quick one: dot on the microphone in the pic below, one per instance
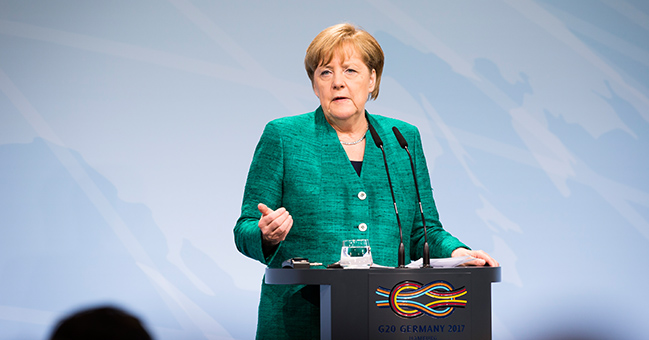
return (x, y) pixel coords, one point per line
(402, 248)
(404, 145)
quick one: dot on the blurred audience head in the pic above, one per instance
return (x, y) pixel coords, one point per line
(100, 323)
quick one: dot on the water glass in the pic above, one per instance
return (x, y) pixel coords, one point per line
(356, 254)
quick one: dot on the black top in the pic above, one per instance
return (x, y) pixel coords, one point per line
(357, 166)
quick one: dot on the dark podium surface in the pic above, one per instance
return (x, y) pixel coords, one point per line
(399, 303)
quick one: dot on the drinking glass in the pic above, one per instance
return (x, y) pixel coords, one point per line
(356, 254)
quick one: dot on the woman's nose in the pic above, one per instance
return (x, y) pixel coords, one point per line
(338, 81)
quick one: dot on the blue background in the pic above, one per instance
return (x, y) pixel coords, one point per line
(127, 129)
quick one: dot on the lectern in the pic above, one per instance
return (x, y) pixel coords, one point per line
(398, 303)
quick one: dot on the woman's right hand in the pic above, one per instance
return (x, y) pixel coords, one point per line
(274, 225)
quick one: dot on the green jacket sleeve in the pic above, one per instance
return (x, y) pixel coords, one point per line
(264, 185)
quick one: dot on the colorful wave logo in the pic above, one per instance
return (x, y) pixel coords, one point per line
(405, 299)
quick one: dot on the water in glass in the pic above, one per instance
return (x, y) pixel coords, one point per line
(356, 254)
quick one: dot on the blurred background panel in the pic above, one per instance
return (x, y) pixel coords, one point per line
(127, 129)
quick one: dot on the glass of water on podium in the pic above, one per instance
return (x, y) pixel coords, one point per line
(356, 254)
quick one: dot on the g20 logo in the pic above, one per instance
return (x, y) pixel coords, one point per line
(411, 299)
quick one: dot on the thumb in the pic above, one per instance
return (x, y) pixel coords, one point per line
(263, 209)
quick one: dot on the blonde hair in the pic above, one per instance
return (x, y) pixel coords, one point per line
(332, 40)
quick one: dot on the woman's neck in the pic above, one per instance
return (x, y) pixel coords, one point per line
(350, 130)
(352, 137)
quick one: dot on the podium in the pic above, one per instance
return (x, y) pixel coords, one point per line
(399, 303)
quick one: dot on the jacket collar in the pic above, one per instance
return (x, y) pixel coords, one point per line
(333, 154)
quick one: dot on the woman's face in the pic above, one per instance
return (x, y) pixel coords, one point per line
(343, 85)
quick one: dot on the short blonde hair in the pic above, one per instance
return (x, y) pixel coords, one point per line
(332, 40)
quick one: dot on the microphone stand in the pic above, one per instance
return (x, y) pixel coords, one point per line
(404, 145)
(402, 248)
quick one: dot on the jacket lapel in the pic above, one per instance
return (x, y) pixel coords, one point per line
(333, 156)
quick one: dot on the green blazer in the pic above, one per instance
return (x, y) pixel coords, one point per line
(300, 164)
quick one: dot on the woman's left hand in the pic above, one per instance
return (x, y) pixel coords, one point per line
(480, 257)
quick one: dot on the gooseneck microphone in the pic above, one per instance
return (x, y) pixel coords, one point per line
(404, 145)
(402, 248)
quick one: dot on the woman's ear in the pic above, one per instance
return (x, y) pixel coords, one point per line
(372, 80)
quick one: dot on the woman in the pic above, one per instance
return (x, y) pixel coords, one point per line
(318, 179)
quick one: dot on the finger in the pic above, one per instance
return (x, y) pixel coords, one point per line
(480, 257)
(479, 262)
(475, 262)
(279, 234)
(275, 218)
(279, 217)
(269, 223)
(492, 262)
(266, 220)
(263, 209)
(473, 254)
(485, 259)
(286, 226)
(273, 215)
(282, 231)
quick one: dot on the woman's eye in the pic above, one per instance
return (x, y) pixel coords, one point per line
(350, 70)
(325, 73)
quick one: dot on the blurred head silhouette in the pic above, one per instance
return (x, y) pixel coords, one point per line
(100, 323)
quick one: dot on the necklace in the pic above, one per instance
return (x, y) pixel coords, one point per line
(357, 141)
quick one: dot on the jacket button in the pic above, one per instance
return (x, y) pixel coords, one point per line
(362, 195)
(362, 227)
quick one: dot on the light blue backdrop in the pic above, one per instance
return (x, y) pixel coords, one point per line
(127, 129)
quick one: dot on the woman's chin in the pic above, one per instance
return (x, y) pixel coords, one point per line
(343, 113)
